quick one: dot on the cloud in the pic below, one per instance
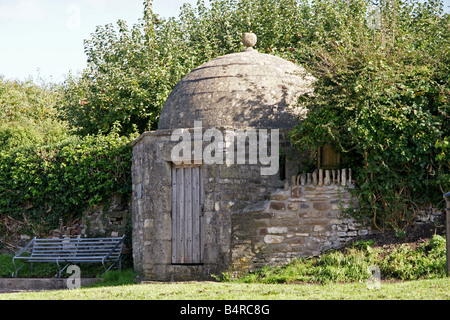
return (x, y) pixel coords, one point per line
(22, 10)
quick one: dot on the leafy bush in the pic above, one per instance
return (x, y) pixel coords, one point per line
(28, 114)
(46, 172)
(18, 134)
(43, 184)
(27, 100)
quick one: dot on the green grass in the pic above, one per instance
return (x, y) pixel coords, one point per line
(44, 270)
(411, 290)
(334, 275)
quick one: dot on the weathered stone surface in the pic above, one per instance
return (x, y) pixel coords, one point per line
(274, 205)
(303, 179)
(279, 195)
(296, 192)
(321, 206)
(273, 239)
(241, 90)
(319, 228)
(248, 219)
(277, 230)
(327, 179)
(315, 178)
(363, 232)
(229, 172)
(249, 39)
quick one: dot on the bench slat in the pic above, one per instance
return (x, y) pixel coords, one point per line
(74, 243)
(70, 255)
(71, 251)
(57, 249)
(79, 239)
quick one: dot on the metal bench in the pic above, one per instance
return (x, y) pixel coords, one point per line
(72, 251)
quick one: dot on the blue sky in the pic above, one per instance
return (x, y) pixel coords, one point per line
(44, 38)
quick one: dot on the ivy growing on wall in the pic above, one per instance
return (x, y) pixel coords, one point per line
(382, 99)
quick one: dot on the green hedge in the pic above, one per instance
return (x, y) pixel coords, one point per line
(44, 183)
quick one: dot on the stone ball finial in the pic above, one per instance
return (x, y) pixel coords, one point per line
(249, 39)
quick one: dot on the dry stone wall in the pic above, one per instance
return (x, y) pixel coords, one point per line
(102, 220)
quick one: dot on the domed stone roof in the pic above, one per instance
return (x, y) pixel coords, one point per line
(239, 90)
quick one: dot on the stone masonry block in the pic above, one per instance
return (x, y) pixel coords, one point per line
(296, 192)
(321, 206)
(280, 206)
(281, 195)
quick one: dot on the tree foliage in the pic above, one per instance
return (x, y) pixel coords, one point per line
(28, 114)
(26, 100)
(131, 71)
(382, 98)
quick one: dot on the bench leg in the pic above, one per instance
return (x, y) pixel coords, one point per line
(112, 265)
(59, 267)
(65, 267)
(16, 269)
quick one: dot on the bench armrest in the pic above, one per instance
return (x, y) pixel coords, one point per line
(113, 249)
(24, 248)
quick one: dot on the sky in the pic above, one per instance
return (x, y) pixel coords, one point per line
(43, 39)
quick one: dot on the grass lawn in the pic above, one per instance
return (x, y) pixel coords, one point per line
(411, 290)
(338, 275)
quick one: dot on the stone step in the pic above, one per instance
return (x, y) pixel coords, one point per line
(38, 284)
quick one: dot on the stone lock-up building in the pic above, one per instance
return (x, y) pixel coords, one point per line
(198, 208)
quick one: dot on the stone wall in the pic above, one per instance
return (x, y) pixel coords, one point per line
(103, 220)
(109, 222)
(303, 219)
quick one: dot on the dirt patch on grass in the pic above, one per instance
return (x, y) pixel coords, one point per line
(414, 236)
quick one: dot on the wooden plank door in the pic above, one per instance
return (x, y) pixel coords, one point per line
(187, 239)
